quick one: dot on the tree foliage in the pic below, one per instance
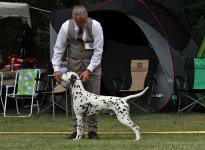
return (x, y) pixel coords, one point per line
(195, 12)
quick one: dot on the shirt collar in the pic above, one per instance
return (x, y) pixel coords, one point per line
(76, 28)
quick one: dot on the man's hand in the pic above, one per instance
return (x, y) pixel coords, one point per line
(85, 75)
(57, 75)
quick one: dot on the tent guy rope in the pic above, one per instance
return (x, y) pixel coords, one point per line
(39, 9)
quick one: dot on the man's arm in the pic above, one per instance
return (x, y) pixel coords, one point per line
(97, 46)
(60, 47)
(59, 50)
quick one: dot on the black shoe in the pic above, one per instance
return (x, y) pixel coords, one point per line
(73, 136)
(92, 135)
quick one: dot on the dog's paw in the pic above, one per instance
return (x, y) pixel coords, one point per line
(138, 137)
(76, 139)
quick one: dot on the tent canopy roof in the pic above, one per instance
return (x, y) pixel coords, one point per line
(21, 10)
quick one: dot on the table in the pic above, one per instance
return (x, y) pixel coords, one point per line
(8, 77)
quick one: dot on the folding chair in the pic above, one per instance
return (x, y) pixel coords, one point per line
(52, 92)
(1, 85)
(192, 84)
(25, 87)
(139, 70)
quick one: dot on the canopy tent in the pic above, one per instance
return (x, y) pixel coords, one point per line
(21, 10)
(137, 29)
(10, 13)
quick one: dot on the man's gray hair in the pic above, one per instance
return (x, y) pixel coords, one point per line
(79, 10)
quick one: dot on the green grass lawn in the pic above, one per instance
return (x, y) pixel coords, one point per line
(107, 124)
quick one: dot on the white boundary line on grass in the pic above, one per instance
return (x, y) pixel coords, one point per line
(101, 133)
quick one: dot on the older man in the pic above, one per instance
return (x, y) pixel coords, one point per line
(83, 39)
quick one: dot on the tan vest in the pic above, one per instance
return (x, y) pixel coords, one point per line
(78, 57)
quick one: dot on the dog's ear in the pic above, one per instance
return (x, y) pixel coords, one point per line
(73, 79)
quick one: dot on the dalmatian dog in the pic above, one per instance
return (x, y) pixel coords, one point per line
(86, 103)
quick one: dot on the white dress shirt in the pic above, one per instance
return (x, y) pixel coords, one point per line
(62, 41)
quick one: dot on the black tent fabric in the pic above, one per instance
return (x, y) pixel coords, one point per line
(137, 29)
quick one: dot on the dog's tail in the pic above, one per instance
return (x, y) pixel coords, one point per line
(136, 95)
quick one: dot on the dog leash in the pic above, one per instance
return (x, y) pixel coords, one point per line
(59, 82)
(62, 85)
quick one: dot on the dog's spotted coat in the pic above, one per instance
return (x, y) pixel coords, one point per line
(86, 103)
